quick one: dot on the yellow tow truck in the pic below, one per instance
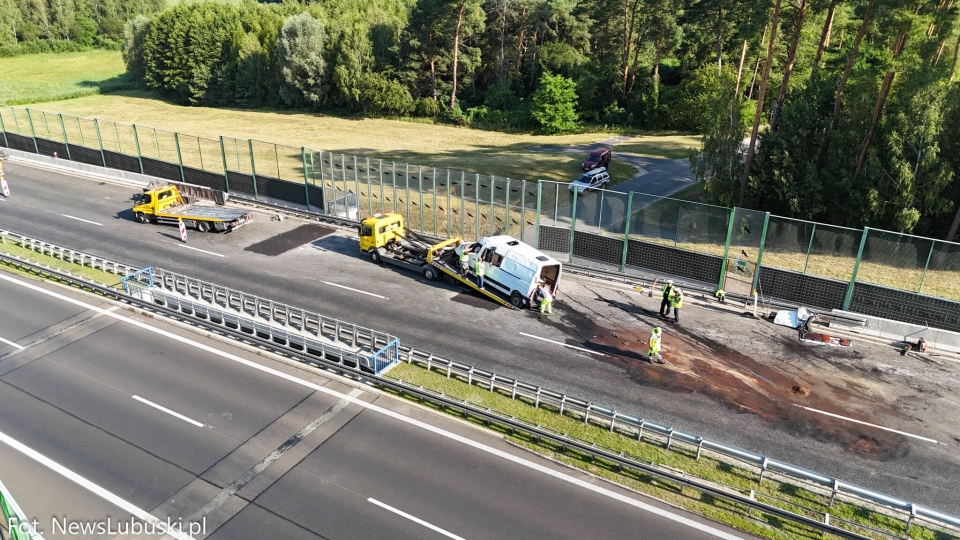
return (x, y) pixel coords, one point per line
(385, 240)
(166, 205)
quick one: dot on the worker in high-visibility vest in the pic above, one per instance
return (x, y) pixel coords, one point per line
(677, 301)
(654, 350)
(464, 262)
(479, 270)
(546, 300)
(667, 294)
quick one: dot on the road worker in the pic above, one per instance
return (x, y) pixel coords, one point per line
(480, 271)
(677, 301)
(665, 303)
(721, 296)
(546, 300)
(654, 350)
(464, 262)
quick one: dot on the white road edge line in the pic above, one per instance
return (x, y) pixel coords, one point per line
(517, 460)
(96, 489)
(83, 220)
(355, 290)
(855, 421)
(168, 411)
(201, 250)
(562, 344)
(8, 342)
(415, 519)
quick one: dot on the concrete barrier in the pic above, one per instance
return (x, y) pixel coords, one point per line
(937, 339)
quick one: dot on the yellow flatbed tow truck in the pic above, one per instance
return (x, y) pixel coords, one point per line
(385, 240)
(166, 205)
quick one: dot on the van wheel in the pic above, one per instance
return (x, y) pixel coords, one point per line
(430, 273)
(141, 217)
(516, 300)
(203, 226)
(375, 256)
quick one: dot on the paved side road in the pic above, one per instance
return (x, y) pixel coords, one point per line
(435, 317)
(111, 415)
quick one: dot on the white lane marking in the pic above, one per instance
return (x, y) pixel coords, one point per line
(83, 220)
(563, 344)
(415, 519)
(201, 250)
(96, 489)
(855, 421)
(8, 342)
(355, 290)
(599, 490)
(168, 411)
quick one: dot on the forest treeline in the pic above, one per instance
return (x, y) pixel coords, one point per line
(844, 111)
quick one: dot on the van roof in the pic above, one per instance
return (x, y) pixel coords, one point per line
(526, 250)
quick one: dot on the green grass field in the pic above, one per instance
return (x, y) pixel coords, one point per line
(666, 145)
(36, 78)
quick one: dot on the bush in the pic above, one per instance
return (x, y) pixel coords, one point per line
(299, 53)
(41, 46)
(381, 96)
(554, 104)
(426, 107)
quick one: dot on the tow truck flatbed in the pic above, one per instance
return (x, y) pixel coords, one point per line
(166, 205)
(444, 264)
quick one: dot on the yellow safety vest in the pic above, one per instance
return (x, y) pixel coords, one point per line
(464, 257)
(678, 301)
(479, 267)
(667, 291)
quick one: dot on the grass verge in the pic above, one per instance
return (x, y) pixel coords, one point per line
(86, 272)
(36, 78)
(807, 500)
(664, 145)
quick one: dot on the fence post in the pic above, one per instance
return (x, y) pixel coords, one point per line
(626, 232)
(116, 133)
(449, 211)
(923, 276)
(393, 181)
(253, 168)
(306, 190)
(96, 126)
(176, 142)
(3, 128)
(523, 206)
(763, 239)
(223, 155)
(66, 143)
(356, 181)
(856, 267)
(809, 247)
(463, 204)
(676, 228)
(573, 223)
(406, 182)
(726, 248)
(435, 205)
(33, 134)
(136, 141)
(383, 202)
(369, 190)
(536, 231)
(493, 183)
(477, 199)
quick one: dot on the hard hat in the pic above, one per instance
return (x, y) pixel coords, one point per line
(669, 282)
(656, 329)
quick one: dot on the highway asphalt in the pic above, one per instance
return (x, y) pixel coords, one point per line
(157, 420)
(432, 316)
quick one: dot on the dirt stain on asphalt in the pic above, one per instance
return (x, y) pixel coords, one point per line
(699, 364)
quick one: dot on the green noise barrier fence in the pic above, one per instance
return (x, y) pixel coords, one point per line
(874, 272)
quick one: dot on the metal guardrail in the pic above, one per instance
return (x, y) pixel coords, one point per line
(325, 355)
(341, 366)
(18, 526)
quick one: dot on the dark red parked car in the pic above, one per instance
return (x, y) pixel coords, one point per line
(598, 158)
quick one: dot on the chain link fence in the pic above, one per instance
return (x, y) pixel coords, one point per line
(610, 226)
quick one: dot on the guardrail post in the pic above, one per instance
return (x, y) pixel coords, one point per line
(253, 168)
(96, 126)
(573, 223)
(223, 156)
(626, 232)
(33, 133)
(763, 469)
(536, 232)
(306, 189)
(763, 239)
(923, 276)
(856, 268)
(66, 143)
(136, 140)
(176, 141)
(726, 248)
(913, 514)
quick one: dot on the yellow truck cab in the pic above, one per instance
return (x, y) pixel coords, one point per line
(385, 240)
(166, 205)
(379, 230)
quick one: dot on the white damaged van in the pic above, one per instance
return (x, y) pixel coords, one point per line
(513, 268)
